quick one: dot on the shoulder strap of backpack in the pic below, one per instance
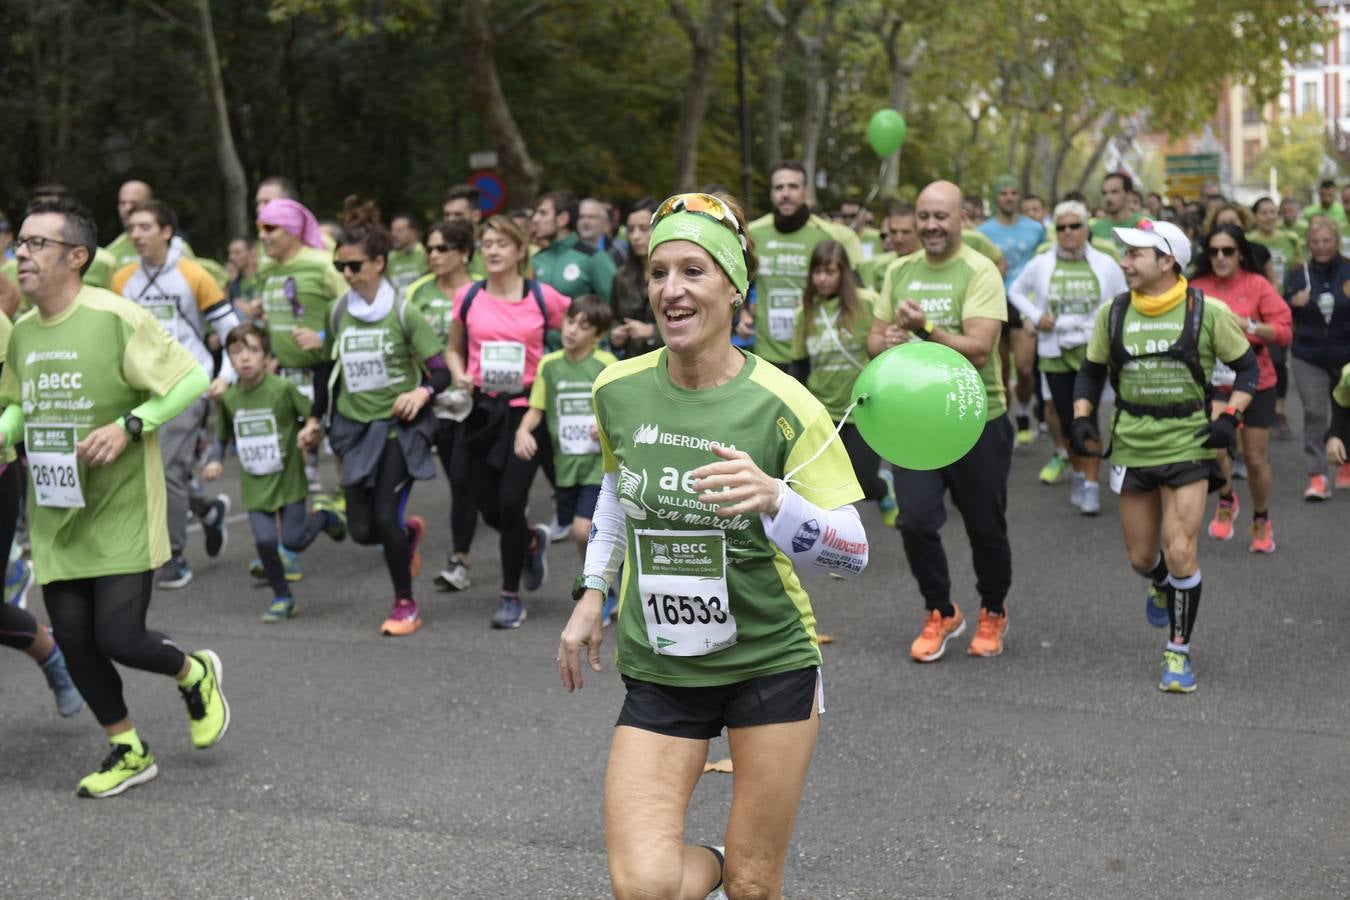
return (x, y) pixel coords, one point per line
(538, 293)
(473, 291)
(1116, 331)
(335, 317)
(1189, 341)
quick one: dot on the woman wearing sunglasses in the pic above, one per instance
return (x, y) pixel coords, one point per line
(1059, 293)
(1228, 271)
(722, 474)
(389, 366)
(496, 341)
(449, 249)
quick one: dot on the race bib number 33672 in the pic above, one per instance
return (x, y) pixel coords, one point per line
(52, 464)
(682, 576)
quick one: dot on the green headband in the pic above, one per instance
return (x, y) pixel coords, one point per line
(722, 244)
(1003, 181)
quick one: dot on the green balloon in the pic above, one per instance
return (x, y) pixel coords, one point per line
(921, 405)
(886, 132)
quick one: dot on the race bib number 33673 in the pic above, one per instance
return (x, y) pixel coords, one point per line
(52, 464)
(682, 576)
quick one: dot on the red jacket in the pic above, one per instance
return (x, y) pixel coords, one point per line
(1251, 295)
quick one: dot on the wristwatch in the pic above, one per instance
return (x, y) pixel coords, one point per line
(926, 331)
(1252, 325)
(584, 583)
(133, 425)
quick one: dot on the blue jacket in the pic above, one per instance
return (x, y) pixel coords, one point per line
(1316, 340)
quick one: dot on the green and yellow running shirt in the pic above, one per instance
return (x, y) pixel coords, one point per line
(79, 371)
(7, 454)
(837, 353)
(784, 266)
(406, 266)
(1283, 247)
(296, 294)
(1143, 440)
(562, 390)
(1105, 228)
(1073, 291)
(752, 616)
(435, 307)
(874, 270)
(965, 286)
(263, 423)
(377, 361)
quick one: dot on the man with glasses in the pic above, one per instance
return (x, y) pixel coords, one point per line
(593, 225)
(952, 295)
(88, 382)
(186, 300)
(1159, 344)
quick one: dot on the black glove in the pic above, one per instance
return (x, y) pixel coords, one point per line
(1081, 430)
(1220, 433)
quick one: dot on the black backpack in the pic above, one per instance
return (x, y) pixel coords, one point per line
(1185, 349)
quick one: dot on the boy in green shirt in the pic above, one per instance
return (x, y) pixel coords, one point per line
(261, 413)
(561, 397)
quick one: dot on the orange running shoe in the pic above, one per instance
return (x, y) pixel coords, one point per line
(403, 620)
(1221, 527)
(937, 631)
(988, 639)
(1343, 476)
(416, 526)
(1263, 537)
(1317, 488)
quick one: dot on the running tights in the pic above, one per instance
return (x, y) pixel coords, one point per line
(99, 621)
(866, 462)
(298, 531)
(17, 628)
(502, 495)
(463, 510)
(375, 516)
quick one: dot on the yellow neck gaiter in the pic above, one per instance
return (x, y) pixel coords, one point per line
(1149, 305)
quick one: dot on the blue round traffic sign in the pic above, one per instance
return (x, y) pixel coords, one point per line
(491, 191)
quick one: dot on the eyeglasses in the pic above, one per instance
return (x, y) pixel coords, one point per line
(350, 265)
(438, 248)
(700, 204)
(37, 244)
(1068, 226)
(1223, 251)
(264, 228)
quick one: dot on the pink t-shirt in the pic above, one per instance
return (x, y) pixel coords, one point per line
(504, 324)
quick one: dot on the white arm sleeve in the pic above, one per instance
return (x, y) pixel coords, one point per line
(609, 534)
(1017, 292)
(831, 539)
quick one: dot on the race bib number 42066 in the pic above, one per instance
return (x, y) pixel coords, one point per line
(682, 576)
(52, 464)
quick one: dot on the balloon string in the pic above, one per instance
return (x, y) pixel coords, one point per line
(789, 477)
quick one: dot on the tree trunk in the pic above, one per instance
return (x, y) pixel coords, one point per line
(786, 23)
(519, 170)
(1108, 127)
(65, 114)
(817, 93)
(227, 155)
(704, 38)
(900, 69)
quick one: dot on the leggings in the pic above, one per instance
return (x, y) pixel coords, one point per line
(99, 621)
(17, 628)
(375, 516)
(866, 462)
(463, 510)
(502, 495)
(298, 531)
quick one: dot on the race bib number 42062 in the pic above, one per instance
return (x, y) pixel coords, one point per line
(682, 576)
(52, 464)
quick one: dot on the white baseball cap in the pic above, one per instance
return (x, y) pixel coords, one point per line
(1162, 236)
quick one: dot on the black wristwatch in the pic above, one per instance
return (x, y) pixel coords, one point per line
(584, 583)
(133, 424)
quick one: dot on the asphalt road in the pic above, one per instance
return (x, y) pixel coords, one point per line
(451, 764)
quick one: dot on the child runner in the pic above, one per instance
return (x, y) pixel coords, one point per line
(261, 413)
(561, 397)
(831, 332)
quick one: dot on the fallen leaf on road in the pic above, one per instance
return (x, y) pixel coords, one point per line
(825, 638)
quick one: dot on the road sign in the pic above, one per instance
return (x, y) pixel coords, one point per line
(491, 192)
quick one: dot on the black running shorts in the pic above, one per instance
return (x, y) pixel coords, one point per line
(701, 713)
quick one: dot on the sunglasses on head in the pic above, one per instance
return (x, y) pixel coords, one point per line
(350, 265)
(1068, 226)
(703, 205)
(1223, 251)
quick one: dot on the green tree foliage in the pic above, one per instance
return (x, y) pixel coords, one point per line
(1297, 151)
(371, 96)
